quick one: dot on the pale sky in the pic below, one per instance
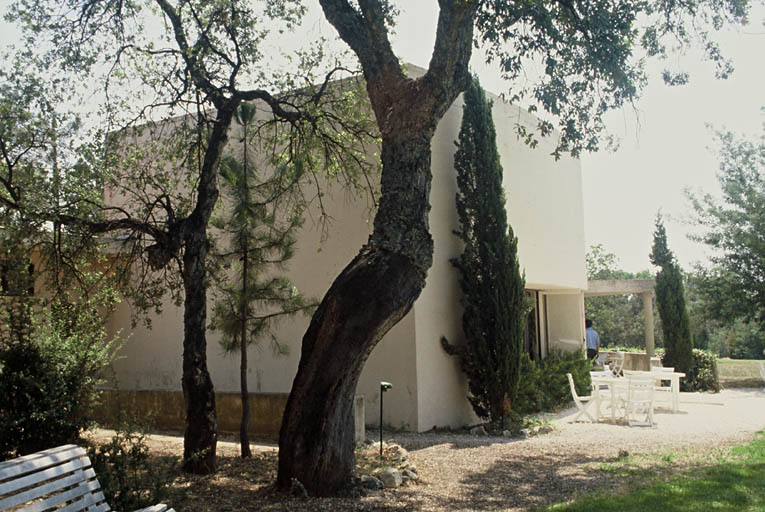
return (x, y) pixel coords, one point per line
(664, 145)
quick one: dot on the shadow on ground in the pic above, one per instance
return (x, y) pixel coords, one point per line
(526, 482)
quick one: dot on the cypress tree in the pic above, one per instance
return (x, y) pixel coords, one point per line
(670, 300)
(489, 274)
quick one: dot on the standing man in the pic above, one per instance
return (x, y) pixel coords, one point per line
(593, 340)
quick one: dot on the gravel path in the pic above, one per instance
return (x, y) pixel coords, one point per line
(460, 472)
(468, 473)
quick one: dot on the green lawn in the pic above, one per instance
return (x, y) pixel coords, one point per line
(739, 373)
(735, 483)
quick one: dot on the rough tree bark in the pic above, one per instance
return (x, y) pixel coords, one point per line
(380, 285)
(201, 433)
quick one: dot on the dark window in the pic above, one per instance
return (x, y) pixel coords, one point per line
(17, 277)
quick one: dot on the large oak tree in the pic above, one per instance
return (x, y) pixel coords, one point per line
(585, 53)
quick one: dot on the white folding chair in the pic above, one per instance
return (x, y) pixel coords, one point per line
(659, 387)
(616, 363)
(640, 400)
(582, 402)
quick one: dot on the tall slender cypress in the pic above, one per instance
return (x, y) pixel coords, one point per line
(670, 300)
(489, 274)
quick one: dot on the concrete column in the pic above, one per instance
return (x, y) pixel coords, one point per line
(648, 322)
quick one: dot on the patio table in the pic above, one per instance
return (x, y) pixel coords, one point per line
(614, 385)
(617, 384)
(674, 380)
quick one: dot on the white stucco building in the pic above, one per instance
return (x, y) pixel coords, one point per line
(545, 209)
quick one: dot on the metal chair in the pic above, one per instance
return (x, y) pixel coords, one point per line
(582, 402)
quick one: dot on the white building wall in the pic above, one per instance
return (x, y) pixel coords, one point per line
(545, 205)
(442, 385)
(545, 211)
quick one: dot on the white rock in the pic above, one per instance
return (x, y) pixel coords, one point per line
(409, 475)
(390, 478)
(478, 431)
(398, 453)
(370, 482)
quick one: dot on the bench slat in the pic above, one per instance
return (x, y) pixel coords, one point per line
(42, 476)
(49, 488)
(89, 502)
(39, 460)
(156, 508)
(82, 489)
(36, 455)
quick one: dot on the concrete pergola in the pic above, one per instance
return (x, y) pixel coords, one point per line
(645, 287)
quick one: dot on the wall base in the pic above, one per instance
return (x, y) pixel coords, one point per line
(165, 410)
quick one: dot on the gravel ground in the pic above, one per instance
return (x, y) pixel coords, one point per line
(461, 472)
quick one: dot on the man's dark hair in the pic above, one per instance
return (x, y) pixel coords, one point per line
(587, 323)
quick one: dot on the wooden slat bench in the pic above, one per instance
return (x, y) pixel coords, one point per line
(59, 479)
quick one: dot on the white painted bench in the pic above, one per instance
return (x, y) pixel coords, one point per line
(59, 479)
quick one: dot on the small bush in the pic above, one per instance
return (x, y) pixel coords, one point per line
(703, 375)
(36, 411)
(130, 479)
(49, 378)
(544, 385)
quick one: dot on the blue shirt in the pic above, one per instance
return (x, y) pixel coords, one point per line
(593, 340)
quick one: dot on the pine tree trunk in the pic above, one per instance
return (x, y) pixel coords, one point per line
(368, 298)
(200, 437)
(244, 438)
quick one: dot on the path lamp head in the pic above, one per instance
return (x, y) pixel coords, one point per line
(385, 386)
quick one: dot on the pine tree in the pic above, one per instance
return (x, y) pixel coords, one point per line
(490, 278)
(670, 300)
(260, 224)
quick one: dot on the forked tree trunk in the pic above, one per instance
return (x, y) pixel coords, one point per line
(200, 437)
(368, 298)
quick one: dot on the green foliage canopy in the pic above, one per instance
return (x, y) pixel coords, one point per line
(734, 227)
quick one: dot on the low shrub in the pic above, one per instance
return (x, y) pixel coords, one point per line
(36, 411)
(703, 375)
(130, 478)
(544, 385)
(49, 377)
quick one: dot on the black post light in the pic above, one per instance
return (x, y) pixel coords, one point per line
(384, 386)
